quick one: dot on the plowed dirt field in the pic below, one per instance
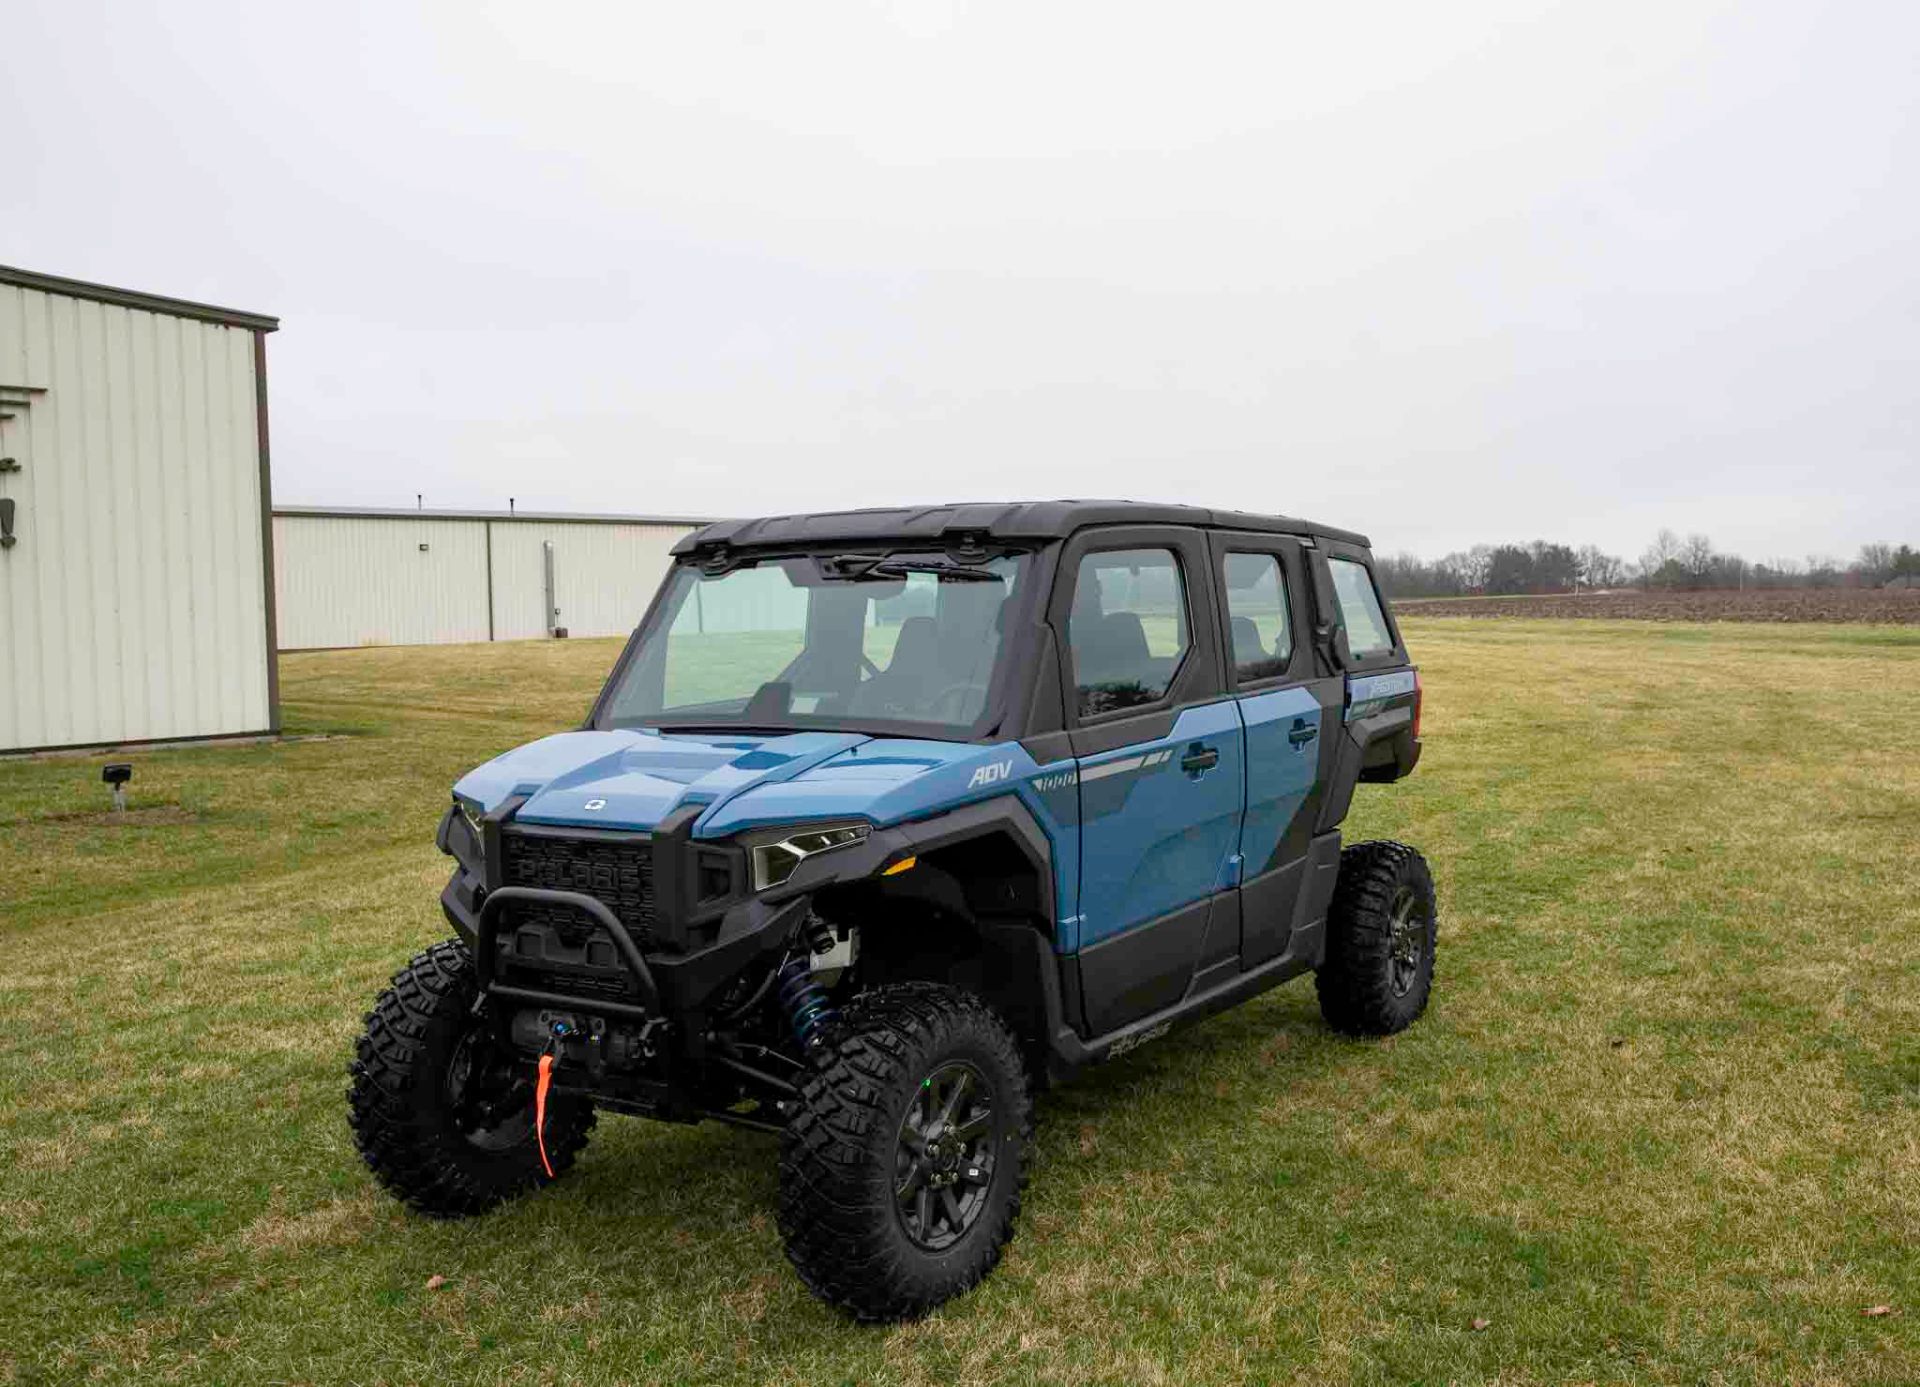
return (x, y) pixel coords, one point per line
(1897, 606)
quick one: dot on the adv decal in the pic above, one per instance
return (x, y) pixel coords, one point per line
(990, 774)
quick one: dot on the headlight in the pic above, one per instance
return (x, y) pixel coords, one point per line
(774, 862)
(472, 813)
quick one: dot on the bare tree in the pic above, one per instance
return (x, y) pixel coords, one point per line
(1664, 550)
(1660, 564)
(1470, 566)
(1696, 557)
(1408, 575)
(1876, 562)
(1599, 569)
(1589, 555)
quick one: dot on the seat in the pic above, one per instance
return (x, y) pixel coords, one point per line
(1111, 650)
(914, 665)
(770, 703)
(1247, 649)
(916, 653)
(969, 637)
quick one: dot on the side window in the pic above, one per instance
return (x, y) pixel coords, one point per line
(1257, 621)
(1360, 613)
(1128, 630)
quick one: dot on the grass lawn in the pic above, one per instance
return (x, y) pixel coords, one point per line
(1661, 1124)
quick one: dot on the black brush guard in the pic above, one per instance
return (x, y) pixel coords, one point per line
(487, 932)
(657, 1097)
(698, 943)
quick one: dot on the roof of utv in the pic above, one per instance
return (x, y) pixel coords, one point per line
(1028, 520)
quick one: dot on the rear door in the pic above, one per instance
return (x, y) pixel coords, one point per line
(1161, 767)
(1381, 690)
(1291, 709)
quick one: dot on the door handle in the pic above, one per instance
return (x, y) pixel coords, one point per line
(7, 536)
(1302, 732)
(1200, 759)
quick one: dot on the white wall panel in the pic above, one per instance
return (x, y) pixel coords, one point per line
(363, 579)
(133, 603)
(353, 580)
(603, 575)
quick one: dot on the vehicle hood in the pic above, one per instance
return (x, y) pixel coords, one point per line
(634, 779)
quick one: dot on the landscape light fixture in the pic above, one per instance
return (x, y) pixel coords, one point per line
(117, 774)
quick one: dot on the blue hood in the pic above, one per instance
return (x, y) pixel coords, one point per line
(634, 779)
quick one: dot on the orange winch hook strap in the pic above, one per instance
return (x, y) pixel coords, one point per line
(540, 1111)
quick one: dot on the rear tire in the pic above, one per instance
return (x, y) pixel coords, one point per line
(443, 1120)
(900, 1175)
(1381, 928)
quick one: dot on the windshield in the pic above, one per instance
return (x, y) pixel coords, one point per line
(822, 640)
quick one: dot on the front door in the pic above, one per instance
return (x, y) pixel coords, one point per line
(1291, 716)
(1161, 767)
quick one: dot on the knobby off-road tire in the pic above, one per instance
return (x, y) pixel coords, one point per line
(442, 1122)
(1378, 971)
(871, 1176)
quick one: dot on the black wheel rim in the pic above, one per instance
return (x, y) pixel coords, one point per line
(1406, 942)
(944, 1166)
(492, 1109)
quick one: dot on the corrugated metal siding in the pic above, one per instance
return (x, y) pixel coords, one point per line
(134, 603)
(603, 575)
(343, 580)
(364, 580)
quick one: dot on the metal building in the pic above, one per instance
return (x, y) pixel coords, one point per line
(135, 539)
(423, 577)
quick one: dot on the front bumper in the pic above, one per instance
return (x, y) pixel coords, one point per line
(697, 946)
(665, 983)
(486, 953)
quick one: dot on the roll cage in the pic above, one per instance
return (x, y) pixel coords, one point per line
(1028, 700)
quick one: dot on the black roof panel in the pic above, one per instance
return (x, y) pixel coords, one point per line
(1034, 520)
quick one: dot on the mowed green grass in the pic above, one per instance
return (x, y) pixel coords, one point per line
(1661, 1123)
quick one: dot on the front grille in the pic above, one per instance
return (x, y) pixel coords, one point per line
(617, 872)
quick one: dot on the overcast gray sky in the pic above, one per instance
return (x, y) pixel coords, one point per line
(1444, 273)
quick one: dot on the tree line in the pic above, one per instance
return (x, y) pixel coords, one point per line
(1669, 563)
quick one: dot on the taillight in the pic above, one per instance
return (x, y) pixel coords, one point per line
(1419, 698)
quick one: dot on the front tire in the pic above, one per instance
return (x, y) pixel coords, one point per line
(442, 1118)
(1378, 971)
(900, 1175)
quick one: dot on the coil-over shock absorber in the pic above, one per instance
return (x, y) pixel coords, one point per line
(804, 999)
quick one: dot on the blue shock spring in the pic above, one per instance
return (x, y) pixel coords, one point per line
(805, 1000)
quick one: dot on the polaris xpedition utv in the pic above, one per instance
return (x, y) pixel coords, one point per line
(886, 817)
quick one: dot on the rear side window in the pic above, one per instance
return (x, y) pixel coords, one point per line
(1128, 630)
(1257, 622)
(1360, 613)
